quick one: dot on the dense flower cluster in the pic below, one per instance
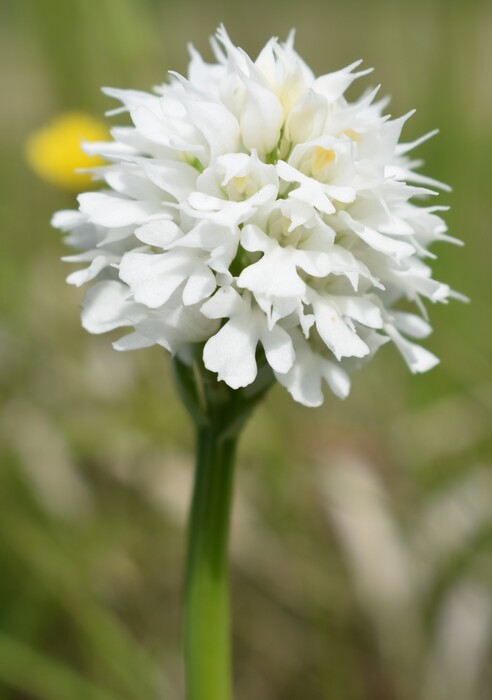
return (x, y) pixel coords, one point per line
(253, 210)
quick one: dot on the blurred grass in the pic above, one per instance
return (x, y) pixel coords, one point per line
(96, 451)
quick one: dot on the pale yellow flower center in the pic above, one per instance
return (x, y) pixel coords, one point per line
(240, 183)
(322, 157)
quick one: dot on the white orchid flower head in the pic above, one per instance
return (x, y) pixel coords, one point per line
(253, 212)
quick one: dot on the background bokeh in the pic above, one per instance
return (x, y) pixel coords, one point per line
(361, 547)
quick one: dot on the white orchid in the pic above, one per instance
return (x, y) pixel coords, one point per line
(252, 206)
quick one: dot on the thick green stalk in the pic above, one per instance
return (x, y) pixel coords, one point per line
(219, 413)
(207, 634)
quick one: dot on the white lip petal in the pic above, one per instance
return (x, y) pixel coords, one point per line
(254, 239)
(226, 302)
(67, 219)
(132, 341)
(106, 306)
(154, 278)
(337, 379)
(231, 354)
(159, 232)
(81, 277)
(418, 359)
(275, 275)
(342, 340)
(199, 286)
(278, 348)
(111, 211)
(411, 324)
(360, 309)
(304, 379)
(303, 382)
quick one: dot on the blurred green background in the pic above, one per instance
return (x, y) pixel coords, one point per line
(361, 547)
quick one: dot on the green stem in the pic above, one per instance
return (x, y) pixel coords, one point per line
(207, 643)
(219, 414)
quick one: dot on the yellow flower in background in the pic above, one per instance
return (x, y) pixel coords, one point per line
(54, 152)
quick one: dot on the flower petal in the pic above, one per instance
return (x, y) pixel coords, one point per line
(417, 358)
(278, 347)
(153, 278)
(113, 211)
(231, 353)
(342, 340)
(106, 306)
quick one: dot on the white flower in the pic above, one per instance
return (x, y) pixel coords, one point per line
(252, 210)
(232, 351)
